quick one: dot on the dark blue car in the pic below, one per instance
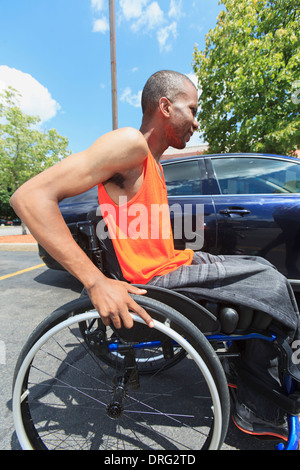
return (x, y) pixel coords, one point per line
(245, 204)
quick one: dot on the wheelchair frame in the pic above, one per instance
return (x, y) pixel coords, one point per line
(195, 316)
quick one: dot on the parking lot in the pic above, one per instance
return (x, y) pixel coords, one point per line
(26, 298)
(29, 292)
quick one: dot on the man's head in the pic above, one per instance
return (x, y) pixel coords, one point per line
(165, 83)
(170, 102)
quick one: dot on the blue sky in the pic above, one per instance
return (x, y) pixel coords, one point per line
(57, 54)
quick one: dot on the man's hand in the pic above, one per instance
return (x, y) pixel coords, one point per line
(112, 300)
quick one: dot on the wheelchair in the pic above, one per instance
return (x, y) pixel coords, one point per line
(79, 385)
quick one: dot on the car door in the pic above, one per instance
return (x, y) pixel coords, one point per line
(257, 203)
(191, 209)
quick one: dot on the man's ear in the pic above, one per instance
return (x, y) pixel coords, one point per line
(164, 106)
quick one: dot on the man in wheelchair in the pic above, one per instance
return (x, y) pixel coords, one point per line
(125, 166)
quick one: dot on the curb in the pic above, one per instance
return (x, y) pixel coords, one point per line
(19, 247)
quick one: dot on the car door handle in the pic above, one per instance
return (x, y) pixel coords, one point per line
(235, 211)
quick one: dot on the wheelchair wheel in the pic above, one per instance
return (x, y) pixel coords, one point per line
(65, 397)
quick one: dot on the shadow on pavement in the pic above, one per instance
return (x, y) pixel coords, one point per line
(61, 279)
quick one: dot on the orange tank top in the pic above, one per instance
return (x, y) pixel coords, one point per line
(140, 229)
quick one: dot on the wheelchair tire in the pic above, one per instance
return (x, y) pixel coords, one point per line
(64, 397)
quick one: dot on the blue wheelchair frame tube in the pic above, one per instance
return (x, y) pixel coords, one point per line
(293, 421)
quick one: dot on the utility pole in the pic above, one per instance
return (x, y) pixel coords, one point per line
(113, 54)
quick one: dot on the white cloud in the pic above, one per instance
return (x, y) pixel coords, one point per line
(101, 25)
(152, 17)
(193, 77)
(164, 34)
(97, 5)
(35, 99)
(133, 99)
(132, 9)
(175, 10)
(147, 16)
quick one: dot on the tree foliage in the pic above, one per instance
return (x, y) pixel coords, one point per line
(249, 78)
(25, 150)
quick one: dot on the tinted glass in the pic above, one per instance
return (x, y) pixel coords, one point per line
(182, 178)
(256, 175)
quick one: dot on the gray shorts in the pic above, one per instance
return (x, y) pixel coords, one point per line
(242, 280)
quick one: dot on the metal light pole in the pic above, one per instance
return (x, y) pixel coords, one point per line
(113, 54)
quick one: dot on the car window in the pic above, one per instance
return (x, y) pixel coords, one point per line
(243, 175)
(182, 178)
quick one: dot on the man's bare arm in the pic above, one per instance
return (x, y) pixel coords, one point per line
(36, 203)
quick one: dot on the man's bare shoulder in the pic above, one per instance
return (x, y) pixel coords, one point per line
(123, 148)
(131, 135)
(123, 140)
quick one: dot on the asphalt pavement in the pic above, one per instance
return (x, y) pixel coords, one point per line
(29, 292)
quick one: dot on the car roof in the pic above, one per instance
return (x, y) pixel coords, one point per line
(242, 155)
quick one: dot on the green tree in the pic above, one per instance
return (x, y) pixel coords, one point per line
(248, 75)
(25, 150)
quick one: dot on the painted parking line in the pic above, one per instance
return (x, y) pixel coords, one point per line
(17, 273)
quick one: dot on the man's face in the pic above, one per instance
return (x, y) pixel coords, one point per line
(182, 122)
